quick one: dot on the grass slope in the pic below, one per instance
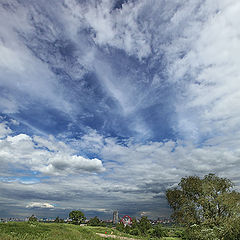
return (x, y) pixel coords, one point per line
(42, 231)
(52, 231)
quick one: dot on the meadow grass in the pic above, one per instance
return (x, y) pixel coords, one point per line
(45, 231)
(53, 231)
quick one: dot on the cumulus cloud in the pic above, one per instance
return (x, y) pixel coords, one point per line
(65, 164)
(137, 174)
(145, 167)
(47, 156)
(40, 205)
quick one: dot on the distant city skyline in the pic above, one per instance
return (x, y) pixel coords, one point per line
(105, 104)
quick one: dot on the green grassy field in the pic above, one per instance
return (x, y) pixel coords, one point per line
(52, 231)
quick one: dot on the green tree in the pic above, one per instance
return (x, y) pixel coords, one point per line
(144, 225)
(205, 205)
(120, 227)
(94, 221)
(158, 231)
(77, 217)
(33, 219)
(58, 220)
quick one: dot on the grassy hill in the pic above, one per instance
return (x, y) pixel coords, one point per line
(52, 231)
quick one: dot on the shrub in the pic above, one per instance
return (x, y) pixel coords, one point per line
(158, 231)
(120, 227)
(33, 219)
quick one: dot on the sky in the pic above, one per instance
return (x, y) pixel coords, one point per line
(105, 104)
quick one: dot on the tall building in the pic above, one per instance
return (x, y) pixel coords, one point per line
(115, 217)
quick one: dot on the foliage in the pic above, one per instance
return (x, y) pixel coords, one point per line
(77, 217)
(58, 220)
(120, 227)
(159, 232)
(208, 207)
(144, 225)
(33, 219)
(140, 227)
(96, 222)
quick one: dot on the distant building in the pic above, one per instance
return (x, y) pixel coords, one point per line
(115, 217)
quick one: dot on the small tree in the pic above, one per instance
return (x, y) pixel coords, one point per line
(77, 217)
(33, 219)
(144, 225)
(120, 227)
(158, 231)
(94, 221)
(58, 220)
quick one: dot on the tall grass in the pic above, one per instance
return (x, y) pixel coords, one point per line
(53, 231)
(42, 231)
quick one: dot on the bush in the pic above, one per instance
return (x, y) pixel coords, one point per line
(144, 225)
(135, 231)
(228, 230)
(120, 227)
(158, 231)
(58, 220)
(198, 232)
(33, 219)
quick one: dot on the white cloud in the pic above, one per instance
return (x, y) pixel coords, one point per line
(137, 164)
(209, 74)
(117, 28)
(40, 205)
(21, 72)
(137, 173)
(4, 130)
(47, 156)
(61, 164)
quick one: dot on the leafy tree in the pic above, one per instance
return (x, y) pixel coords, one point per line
(158, 231)
(134, 228)
(205, 205)
(120, 227)
(144, 225)
(58, 220)
(33, 219)
(96, 222)
(77, 217)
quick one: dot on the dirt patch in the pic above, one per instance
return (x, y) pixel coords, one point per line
(114, 236)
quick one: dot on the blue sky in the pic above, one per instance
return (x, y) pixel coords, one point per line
(105, 104)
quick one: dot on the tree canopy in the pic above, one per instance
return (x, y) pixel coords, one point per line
(210, 201)
(77, 217)
(58, 220)
(32, 219)
(96, 222)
